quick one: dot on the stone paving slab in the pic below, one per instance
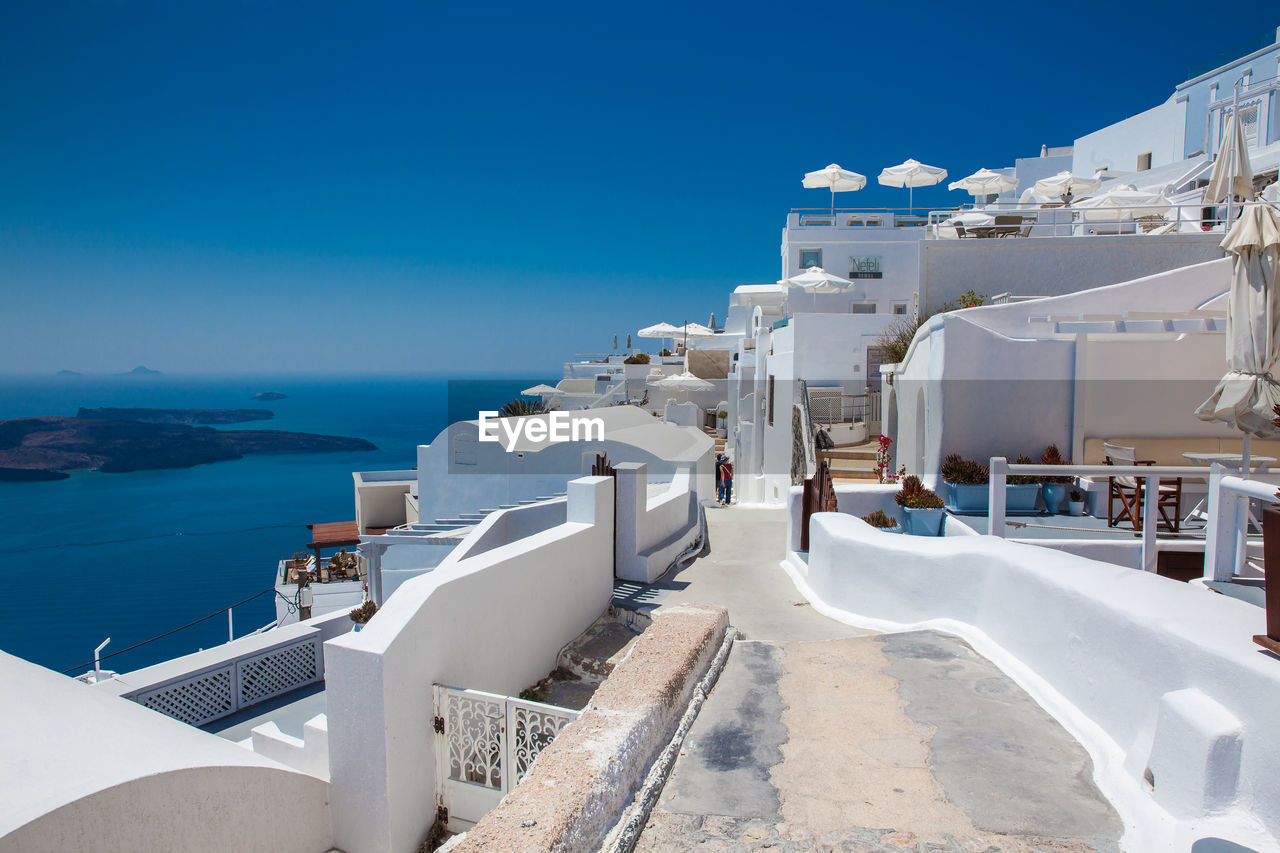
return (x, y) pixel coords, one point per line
(820, 736)
(893, 742)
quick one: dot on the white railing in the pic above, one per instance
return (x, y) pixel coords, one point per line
(206, 686)
(1025, 222)
(1149, 474)
(1227, 530)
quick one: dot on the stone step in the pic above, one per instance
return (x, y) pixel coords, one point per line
(849, 454)
(838, 476)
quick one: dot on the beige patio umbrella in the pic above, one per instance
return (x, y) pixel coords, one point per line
(984, 182)
(539, 391)
(912, 174)
(659, 330)
(835, 179)
(1247, 395)
(1065, 185)
(818, 280)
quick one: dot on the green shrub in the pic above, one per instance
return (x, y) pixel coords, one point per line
(964, 472)
(913, 495)
(638, 358)
(879, 519)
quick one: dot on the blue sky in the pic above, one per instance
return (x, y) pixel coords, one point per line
(448, 188)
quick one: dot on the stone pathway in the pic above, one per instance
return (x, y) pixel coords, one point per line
(820, 736)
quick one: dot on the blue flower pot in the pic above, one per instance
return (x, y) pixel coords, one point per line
(923, 522)
(967, 498)
(1054, 495)
(1021, 498)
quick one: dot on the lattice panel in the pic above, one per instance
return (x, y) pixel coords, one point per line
(534, 727)
(197, 700)
(473, 733)
(277, 671)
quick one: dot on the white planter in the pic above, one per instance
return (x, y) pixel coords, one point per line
(721, 432)
(1075, 508)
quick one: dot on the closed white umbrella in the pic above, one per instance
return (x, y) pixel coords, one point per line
(1247, 395)
(912, 174)
(835, 179)
(1232, 173)
(1123, 202)
(1064, 185)
(984, 182)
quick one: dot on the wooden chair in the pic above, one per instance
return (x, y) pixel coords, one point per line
(1128, 491)
(1008, 226)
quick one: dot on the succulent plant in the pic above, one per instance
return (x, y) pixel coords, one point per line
(964, 472)
(913, 495)
(879, 519)
(1052, 456)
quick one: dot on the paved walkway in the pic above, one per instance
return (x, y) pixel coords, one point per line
(821, 736)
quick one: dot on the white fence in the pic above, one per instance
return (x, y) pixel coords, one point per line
(1149, 474)
(216, 683)
(486, 744)
(1229, 497)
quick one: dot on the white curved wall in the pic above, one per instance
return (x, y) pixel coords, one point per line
(1145, 671)
(87, 771)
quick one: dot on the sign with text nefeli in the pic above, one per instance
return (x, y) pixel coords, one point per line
(866, 267)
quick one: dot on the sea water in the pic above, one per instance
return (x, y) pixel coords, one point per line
(132, 556)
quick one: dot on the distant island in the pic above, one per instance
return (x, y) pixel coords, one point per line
(269, 395)
(47, 448)
(140, 370)
(178, 416)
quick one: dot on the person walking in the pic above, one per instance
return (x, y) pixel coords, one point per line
(719, 480)
(726, 480)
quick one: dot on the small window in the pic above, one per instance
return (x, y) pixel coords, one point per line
(862, 308)
(874, 220)
(769, 405)
(810, 258)
(899, 307)
(1144, 162)
(853, 221)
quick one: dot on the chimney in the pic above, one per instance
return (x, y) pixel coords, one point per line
(1044, 150)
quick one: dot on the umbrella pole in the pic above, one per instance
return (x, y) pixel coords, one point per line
(1244, 457)
(833, 204)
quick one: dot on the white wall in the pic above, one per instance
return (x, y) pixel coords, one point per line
(447, 487)
(88, 771)
(1158, 131)
(1049, 266)
(1146, 672)
(493, 622)
(653, 530)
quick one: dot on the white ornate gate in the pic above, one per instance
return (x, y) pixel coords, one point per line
(485, 745)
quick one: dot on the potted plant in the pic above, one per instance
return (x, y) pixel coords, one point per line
(722, 418)
(967, 484)
(881, 521)
(921, 507)
(1021, 490)
(363, 613)
(1075, 502)
(1055, 487)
